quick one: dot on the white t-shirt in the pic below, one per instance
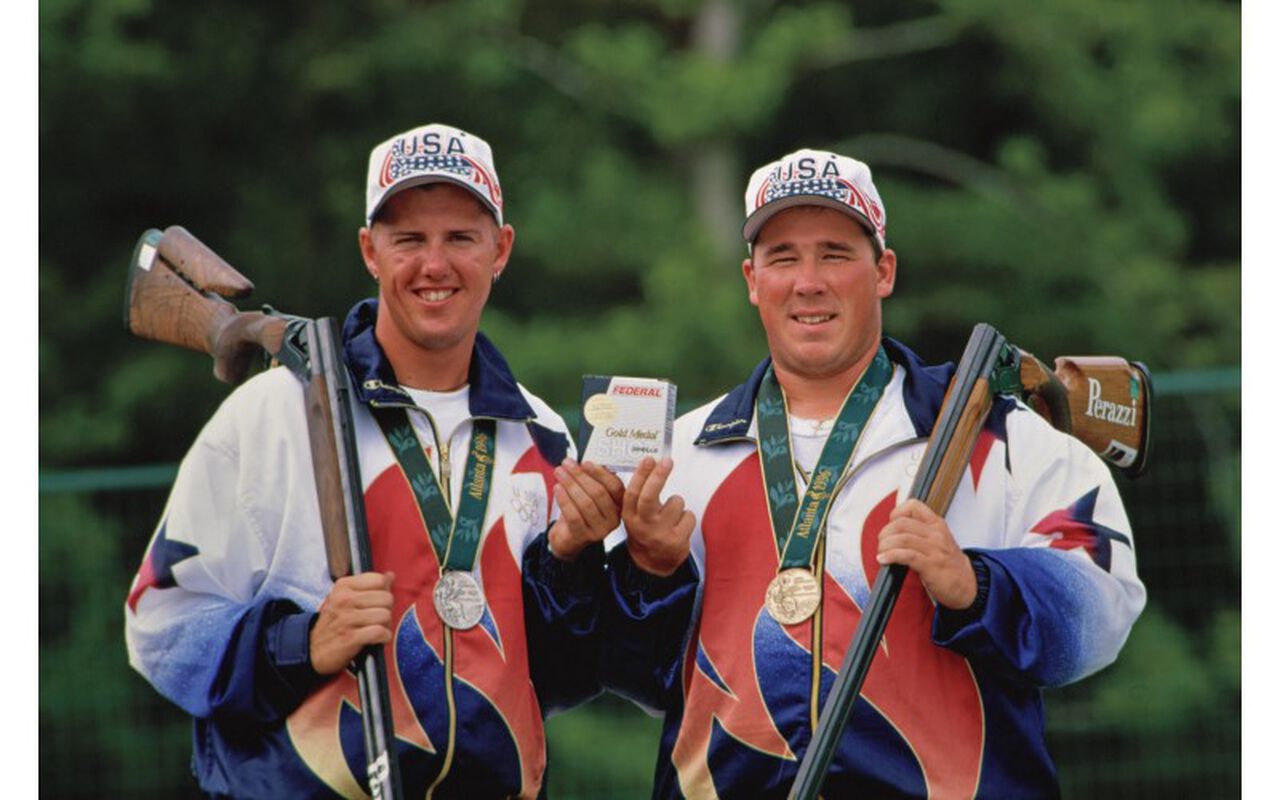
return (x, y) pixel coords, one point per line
(447, 410)
(808, 436)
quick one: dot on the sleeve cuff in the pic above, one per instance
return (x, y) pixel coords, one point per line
(578, 575)
(949, 622)
(290, 640)
(630, 579)
(288, 644)
(265, 670)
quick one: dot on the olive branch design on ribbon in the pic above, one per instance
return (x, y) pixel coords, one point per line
(467, 530)
(864, 394)
(781, 495)
(846, 431)
(402, 439)
(774, 447)
(770, 407)
(424, 487)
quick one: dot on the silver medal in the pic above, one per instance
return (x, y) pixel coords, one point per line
(458, 599)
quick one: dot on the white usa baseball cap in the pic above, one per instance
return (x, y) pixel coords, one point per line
(432, 154)
(814, 178)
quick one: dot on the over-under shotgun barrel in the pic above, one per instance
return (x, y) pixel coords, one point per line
(964, 409)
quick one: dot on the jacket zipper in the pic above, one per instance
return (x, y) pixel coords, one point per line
(815, 676)
(446, 479)
(451, 705)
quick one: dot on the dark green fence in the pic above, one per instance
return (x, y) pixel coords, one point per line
(1164, 721)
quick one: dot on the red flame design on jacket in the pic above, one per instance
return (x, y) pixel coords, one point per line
(926, 692)
(496, 668)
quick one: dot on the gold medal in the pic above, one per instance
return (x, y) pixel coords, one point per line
(459, 600)
(793, 596)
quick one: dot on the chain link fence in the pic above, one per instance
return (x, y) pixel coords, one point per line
(1162, 722)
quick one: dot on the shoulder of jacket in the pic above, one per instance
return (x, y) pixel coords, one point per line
(267, 398)
(690, 425)
(544, 414)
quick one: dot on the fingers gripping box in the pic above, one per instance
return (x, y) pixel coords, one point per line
(625, 419)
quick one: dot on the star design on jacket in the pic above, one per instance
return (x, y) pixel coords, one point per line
(157, 568)
(1074, 526)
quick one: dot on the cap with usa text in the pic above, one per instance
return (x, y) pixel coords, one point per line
(818, 178)
(432, 153)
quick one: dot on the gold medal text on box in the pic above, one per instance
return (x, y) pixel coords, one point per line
(459, 600)
(793, 595)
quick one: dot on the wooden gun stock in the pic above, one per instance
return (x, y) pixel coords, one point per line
(1110, 405)
(168, 299)
(203, 267)
(1104, 401)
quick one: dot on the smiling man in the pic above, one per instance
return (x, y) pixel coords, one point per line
(750, 553)
(233, 615)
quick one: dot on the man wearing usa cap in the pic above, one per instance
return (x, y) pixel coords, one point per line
(233, 615)
(750, 553)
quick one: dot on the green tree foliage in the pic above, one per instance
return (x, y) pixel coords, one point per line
(1068, 173)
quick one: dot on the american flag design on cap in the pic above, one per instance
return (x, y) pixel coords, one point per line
(430, 154)
(814, 177)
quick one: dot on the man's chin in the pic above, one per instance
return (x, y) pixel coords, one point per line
(437, 341)
(815, 364)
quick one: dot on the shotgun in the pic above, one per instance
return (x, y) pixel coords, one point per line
(176, 294)
(1112, 418)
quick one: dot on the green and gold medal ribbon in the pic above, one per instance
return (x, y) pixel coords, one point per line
(795, 527)
(454, 538)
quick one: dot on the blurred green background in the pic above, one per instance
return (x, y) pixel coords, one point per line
(1068, 171)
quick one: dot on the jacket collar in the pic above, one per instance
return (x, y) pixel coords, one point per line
(732, 416)
(923, 389)
(494, 392)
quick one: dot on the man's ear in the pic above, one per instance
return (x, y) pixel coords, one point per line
(506, 241)
(749, 275)
(886, 273)
(367, 252)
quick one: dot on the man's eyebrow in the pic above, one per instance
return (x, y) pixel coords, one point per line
(412, 231)
(780, 247)
(843, 247)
